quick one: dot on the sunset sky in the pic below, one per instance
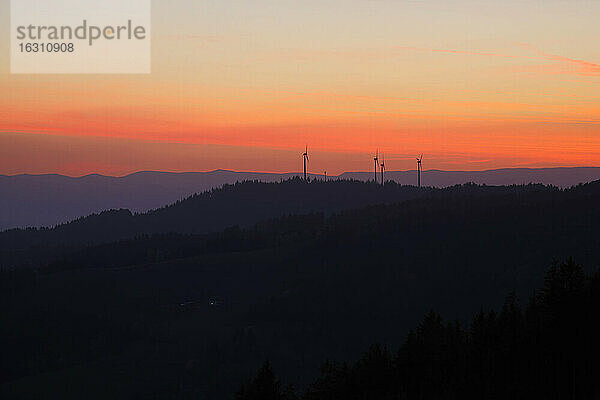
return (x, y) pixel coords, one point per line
(245, 85)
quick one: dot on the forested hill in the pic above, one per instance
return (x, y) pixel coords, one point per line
(465, 227)
(245, 204)
(241, 204)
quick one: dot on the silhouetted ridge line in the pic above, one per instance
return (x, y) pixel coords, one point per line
(245, 204)
(517, 211)
(242, 203)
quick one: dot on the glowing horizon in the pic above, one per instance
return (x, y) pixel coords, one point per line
(245, 87)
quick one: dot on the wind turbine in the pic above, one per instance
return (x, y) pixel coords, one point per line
(419, 160)
(325, 172)
(376, 158)
(305, 158)
(382, 169)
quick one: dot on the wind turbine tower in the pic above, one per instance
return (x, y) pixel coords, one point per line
(419, 160)
(305, 158)
(376, 159)
(382, 169)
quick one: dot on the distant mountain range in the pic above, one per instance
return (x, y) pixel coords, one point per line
(48, 200)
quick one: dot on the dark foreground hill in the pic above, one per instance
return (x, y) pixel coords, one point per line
(48, 200)
(193, 315)
(547, 349)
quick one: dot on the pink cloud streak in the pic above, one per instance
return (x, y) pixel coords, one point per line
(580, 67)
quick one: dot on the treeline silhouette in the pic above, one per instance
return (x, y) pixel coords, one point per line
(243, 204)
(546, 350)
(168, 233)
